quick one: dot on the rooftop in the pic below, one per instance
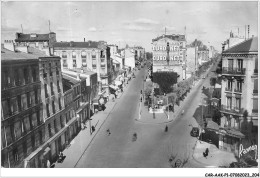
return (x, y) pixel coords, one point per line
(250, 45)
(11, 55)
(70, 79)
(85, 71)
(32, 37)
(72, 44)
(172, 37)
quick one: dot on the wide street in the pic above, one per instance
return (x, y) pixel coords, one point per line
(153, 146)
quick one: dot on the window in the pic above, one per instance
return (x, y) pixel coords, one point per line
(64, 54)
(94, 66)
(34, 119)
(17, 77)
(256, 65)
(53, 107)
(24, 102)
(93, 55)
(229, 84)
(73, 54)
(239, 86)
(19, 101)
(50, 69)
(49, 130)
(230, 64)
(58, 86)
(14, 106)
(15, 154)
(255, 105)
(36, 96)
(17, 130)
(238, 103)
(255, 86)
(239, 64)
(26, 76)
(33, 141)
(52, 92)
(229, 102)
(65, 63)
(40, 137)
(25, 148)
(46, 91)
(74, 63)
(34, 74)
(60, 103)
(61, 122)
(47, 110)
(83, 54)
(27, 125)
(29, 100)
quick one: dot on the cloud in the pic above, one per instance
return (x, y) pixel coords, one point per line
(92, 29)
(146, 21)
(134, 27)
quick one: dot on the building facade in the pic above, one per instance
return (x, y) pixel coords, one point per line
(22, 124)
(92, 56)
(203, 56)
(173, 46)
(191, 61)
(239, 96)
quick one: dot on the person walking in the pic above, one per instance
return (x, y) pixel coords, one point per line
(108, 132)
(166, 128)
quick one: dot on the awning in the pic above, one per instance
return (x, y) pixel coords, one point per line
(113, 87)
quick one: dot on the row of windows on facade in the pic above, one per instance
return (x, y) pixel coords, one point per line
(53, 107)
(50, 70)
(238, 88)
(64, 54)
(28, 146)
(164, 48)
(20, 128)
(52, 89)
(237, 104)
(163, 58)
(12, 106)
(20, 77)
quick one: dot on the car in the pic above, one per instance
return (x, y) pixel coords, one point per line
(194, 132)
(203, 77)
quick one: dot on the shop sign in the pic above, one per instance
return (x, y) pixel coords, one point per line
(243, 151)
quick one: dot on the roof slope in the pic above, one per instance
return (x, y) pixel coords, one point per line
(173, 37)
(250, 45)
(72, 44)
(10, 55)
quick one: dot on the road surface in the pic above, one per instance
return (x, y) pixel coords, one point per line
(153, 146)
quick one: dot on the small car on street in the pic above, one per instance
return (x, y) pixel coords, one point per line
(194, 132)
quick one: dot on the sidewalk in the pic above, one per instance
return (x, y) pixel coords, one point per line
(215, 157)
(83, 140)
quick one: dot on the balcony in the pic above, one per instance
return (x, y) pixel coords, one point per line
(228, 89)
(233, 71)
(103, 65)
(232, 110)
(254, 110)
(64, 56)
(239, 90)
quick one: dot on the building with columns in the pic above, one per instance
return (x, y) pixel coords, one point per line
(239, 96)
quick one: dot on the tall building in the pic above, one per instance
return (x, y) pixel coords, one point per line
(203, 56)
(191, 61)
(22, 124)
(239, 96)
(174, 47)
(93, 56)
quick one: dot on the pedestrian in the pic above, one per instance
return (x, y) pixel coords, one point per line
(108, 131)
(93, 128)
(107, 97)
(166, 128)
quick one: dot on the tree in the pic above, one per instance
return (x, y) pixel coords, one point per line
(213, 81)
(172, 99)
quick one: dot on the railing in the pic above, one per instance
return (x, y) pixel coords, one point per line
(254, 110)
(232, 109)
(238, 90)
(64, 56)
(228, 89)
(236, 71)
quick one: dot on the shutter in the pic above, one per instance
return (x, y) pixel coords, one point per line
(17, 129)
(34, 120)
(27, 123)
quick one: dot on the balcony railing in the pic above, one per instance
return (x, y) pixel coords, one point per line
(64, 56)
(254, 110)
(235, 71)
(238, 90)
(232, 109)
(228, 89)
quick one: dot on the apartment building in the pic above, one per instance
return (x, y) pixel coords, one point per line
(239, 96)
(92, 56)
(169, 55)
(22, 124)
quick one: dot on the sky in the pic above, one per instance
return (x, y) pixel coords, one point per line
(132, 23)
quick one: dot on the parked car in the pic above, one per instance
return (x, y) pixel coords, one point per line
(194, 132)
